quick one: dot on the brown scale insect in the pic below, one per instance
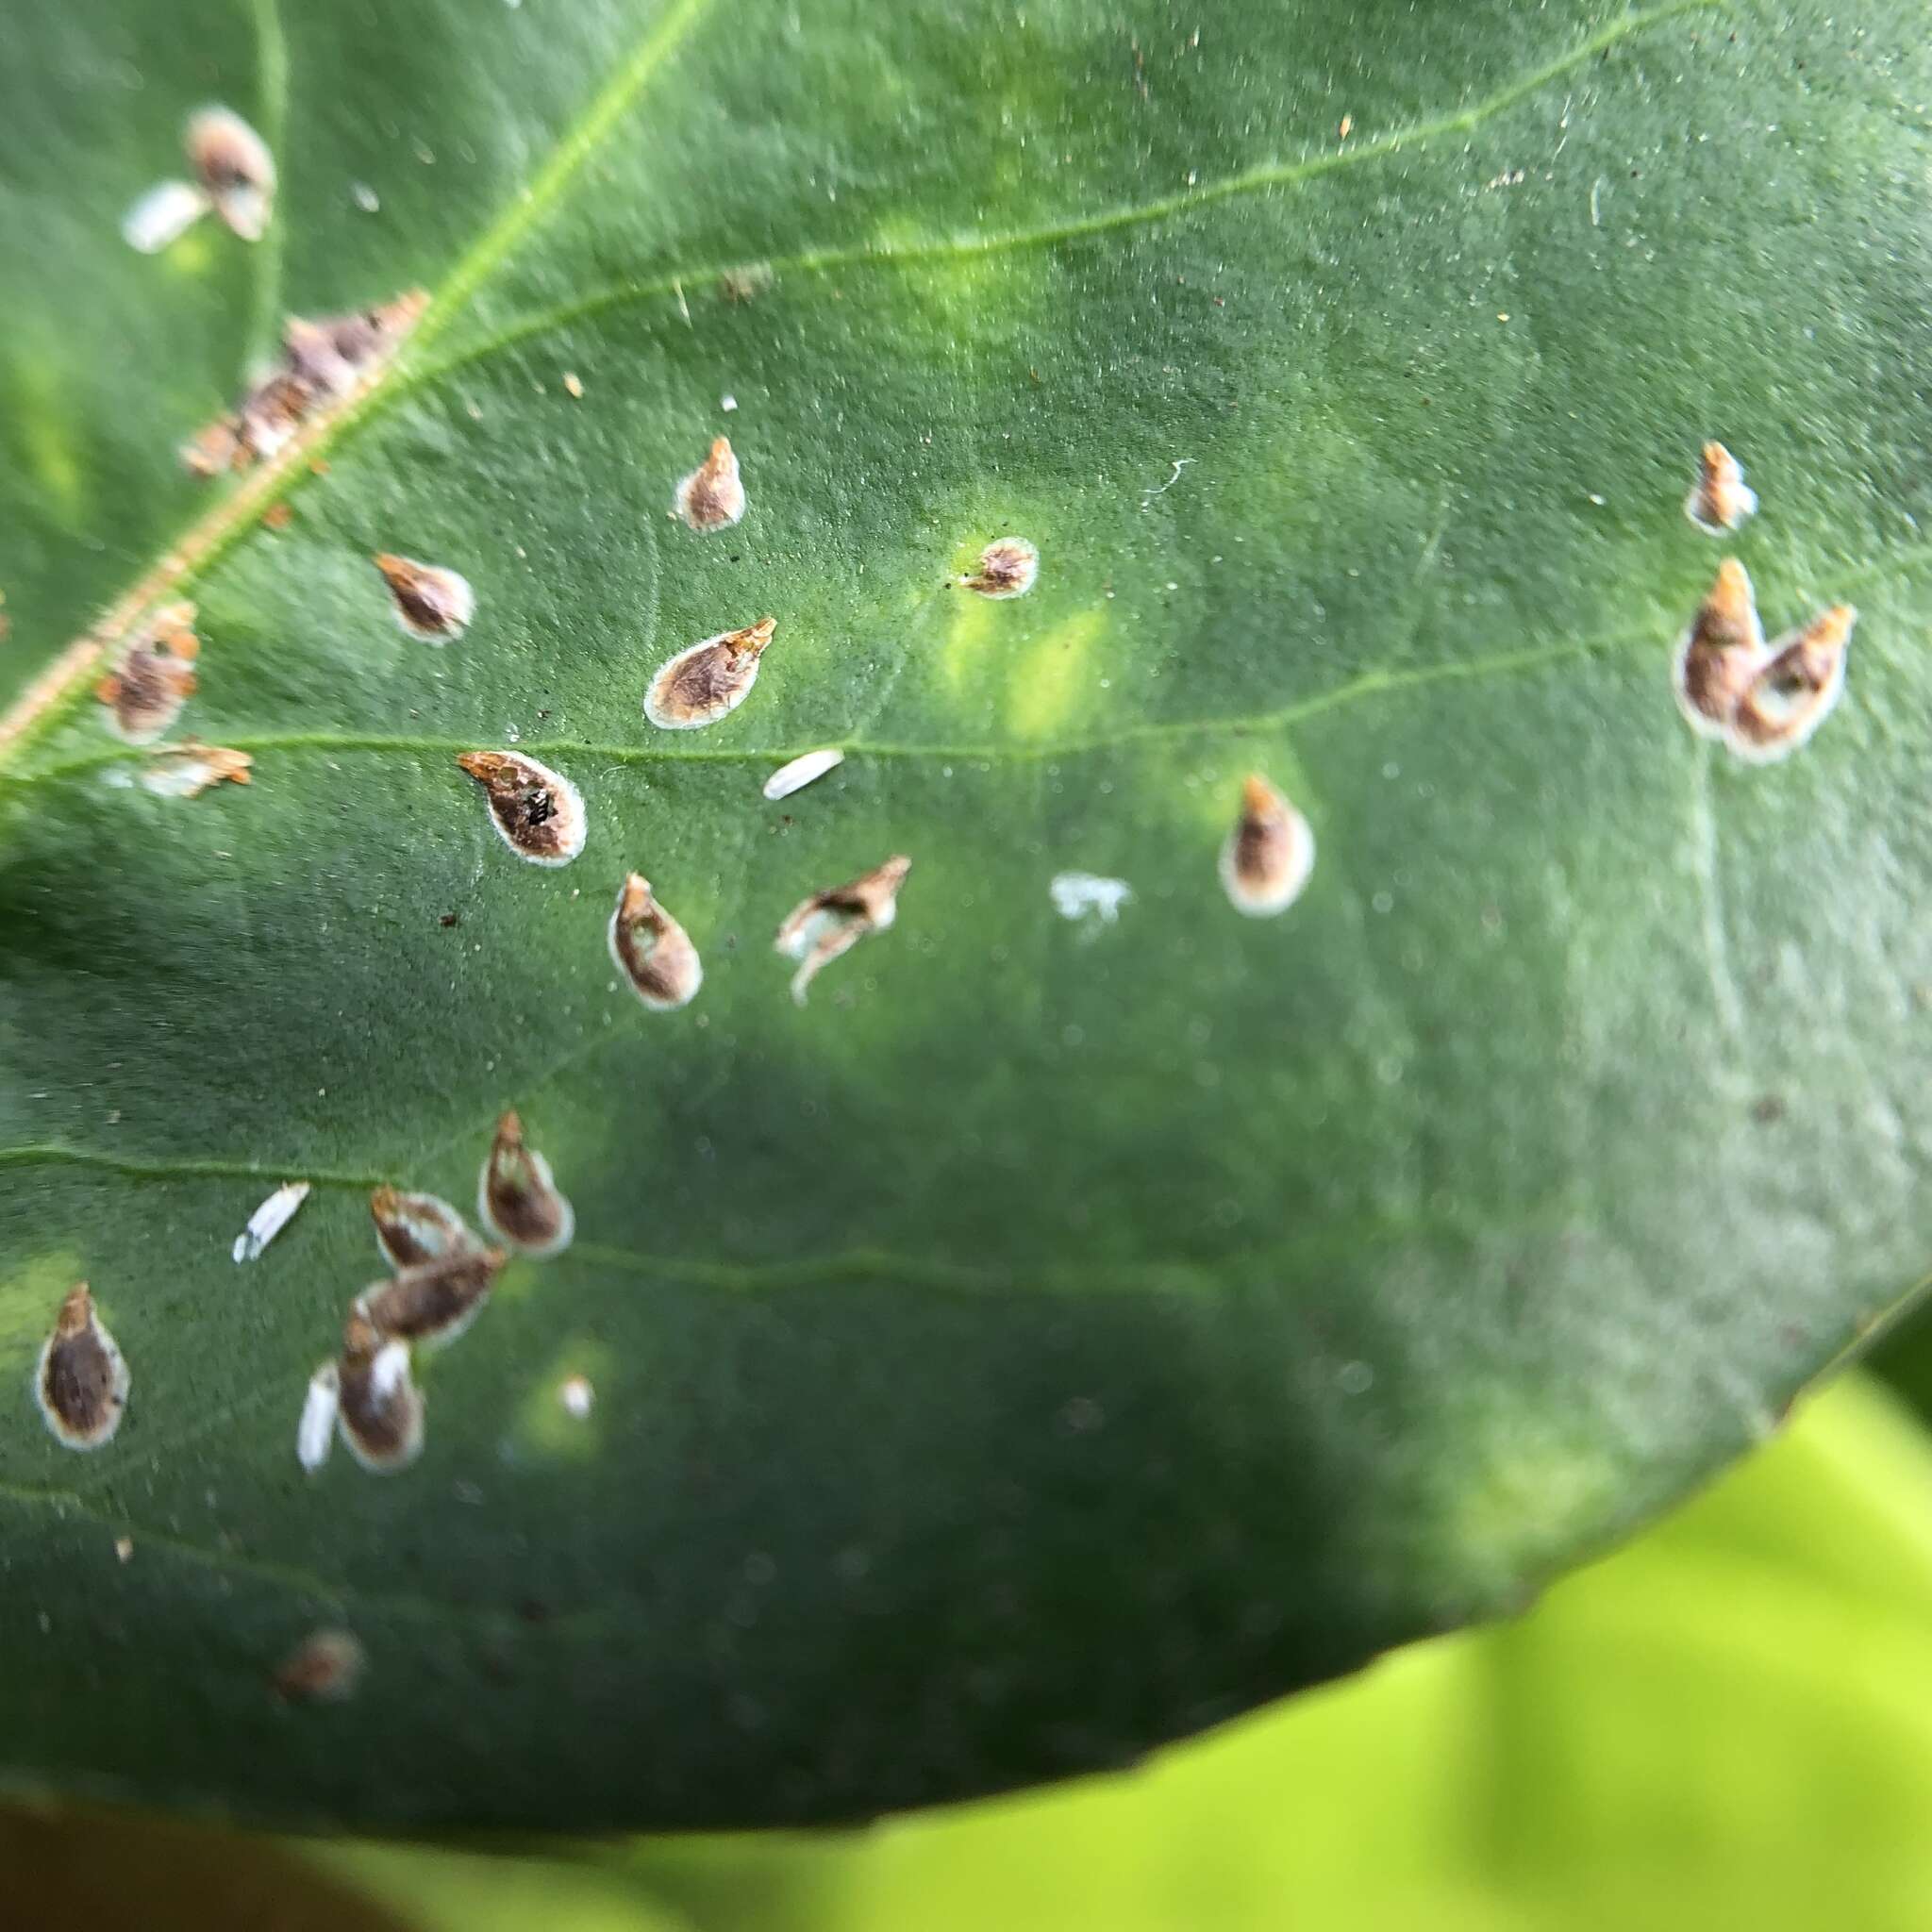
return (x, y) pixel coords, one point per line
(1794, 691)
(1720, 500)
(186, 771)
(430, 602)
(433, 1301)
(702, 684)
(381, 1408)
(321, 364)
(652, 951)
(712, 497)
(154, 676)
(82, 1379)
(516, 1196)
(1008, 567)
(324, 1668)
(1270, 852)
(537, 813)
(819, 929)
(1720, 653)
(413, 1228)
(235, 168)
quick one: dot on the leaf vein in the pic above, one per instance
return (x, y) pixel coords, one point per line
(1261, 178)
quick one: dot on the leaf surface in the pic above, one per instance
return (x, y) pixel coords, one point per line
(1060, 1334)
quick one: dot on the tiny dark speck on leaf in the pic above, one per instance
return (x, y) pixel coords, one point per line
(450, 919)
(1768, 1108)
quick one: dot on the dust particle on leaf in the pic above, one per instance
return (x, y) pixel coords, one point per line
(516, 1196)
(537, 813)
(652, 951)
(710, 679)
(1269, 855)
(430, 602)
(80, 1380)
(1721, 653)
(712, 497)
(819, 929)
(1008, 567)
(1075, 895)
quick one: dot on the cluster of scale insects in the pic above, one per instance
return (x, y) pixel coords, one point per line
(1763, 700)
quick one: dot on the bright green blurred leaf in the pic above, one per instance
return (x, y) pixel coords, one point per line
(1057, 1337)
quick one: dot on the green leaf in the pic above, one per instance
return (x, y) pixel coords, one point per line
(1059, 1334)
(1633, 1752)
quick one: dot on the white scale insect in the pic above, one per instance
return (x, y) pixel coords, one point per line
(269, 1219)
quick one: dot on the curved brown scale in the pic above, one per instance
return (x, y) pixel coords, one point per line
(1795, 691)
(414, 1229)
(233, 164)
(322, 365)
(271, 415)
(1720, 653)
(381, 1408)
(324, 1668)
(701, 685)
(712, 497)
(652, 951)
(153, 677)
(1720, 500)
(819, 929)
(1269, 855)
(333, 352)
(430, 602)
(433, 1301)
(1008, 567)
(310, 356)
(537, 813)
(516, 1196)
(82, 1379)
